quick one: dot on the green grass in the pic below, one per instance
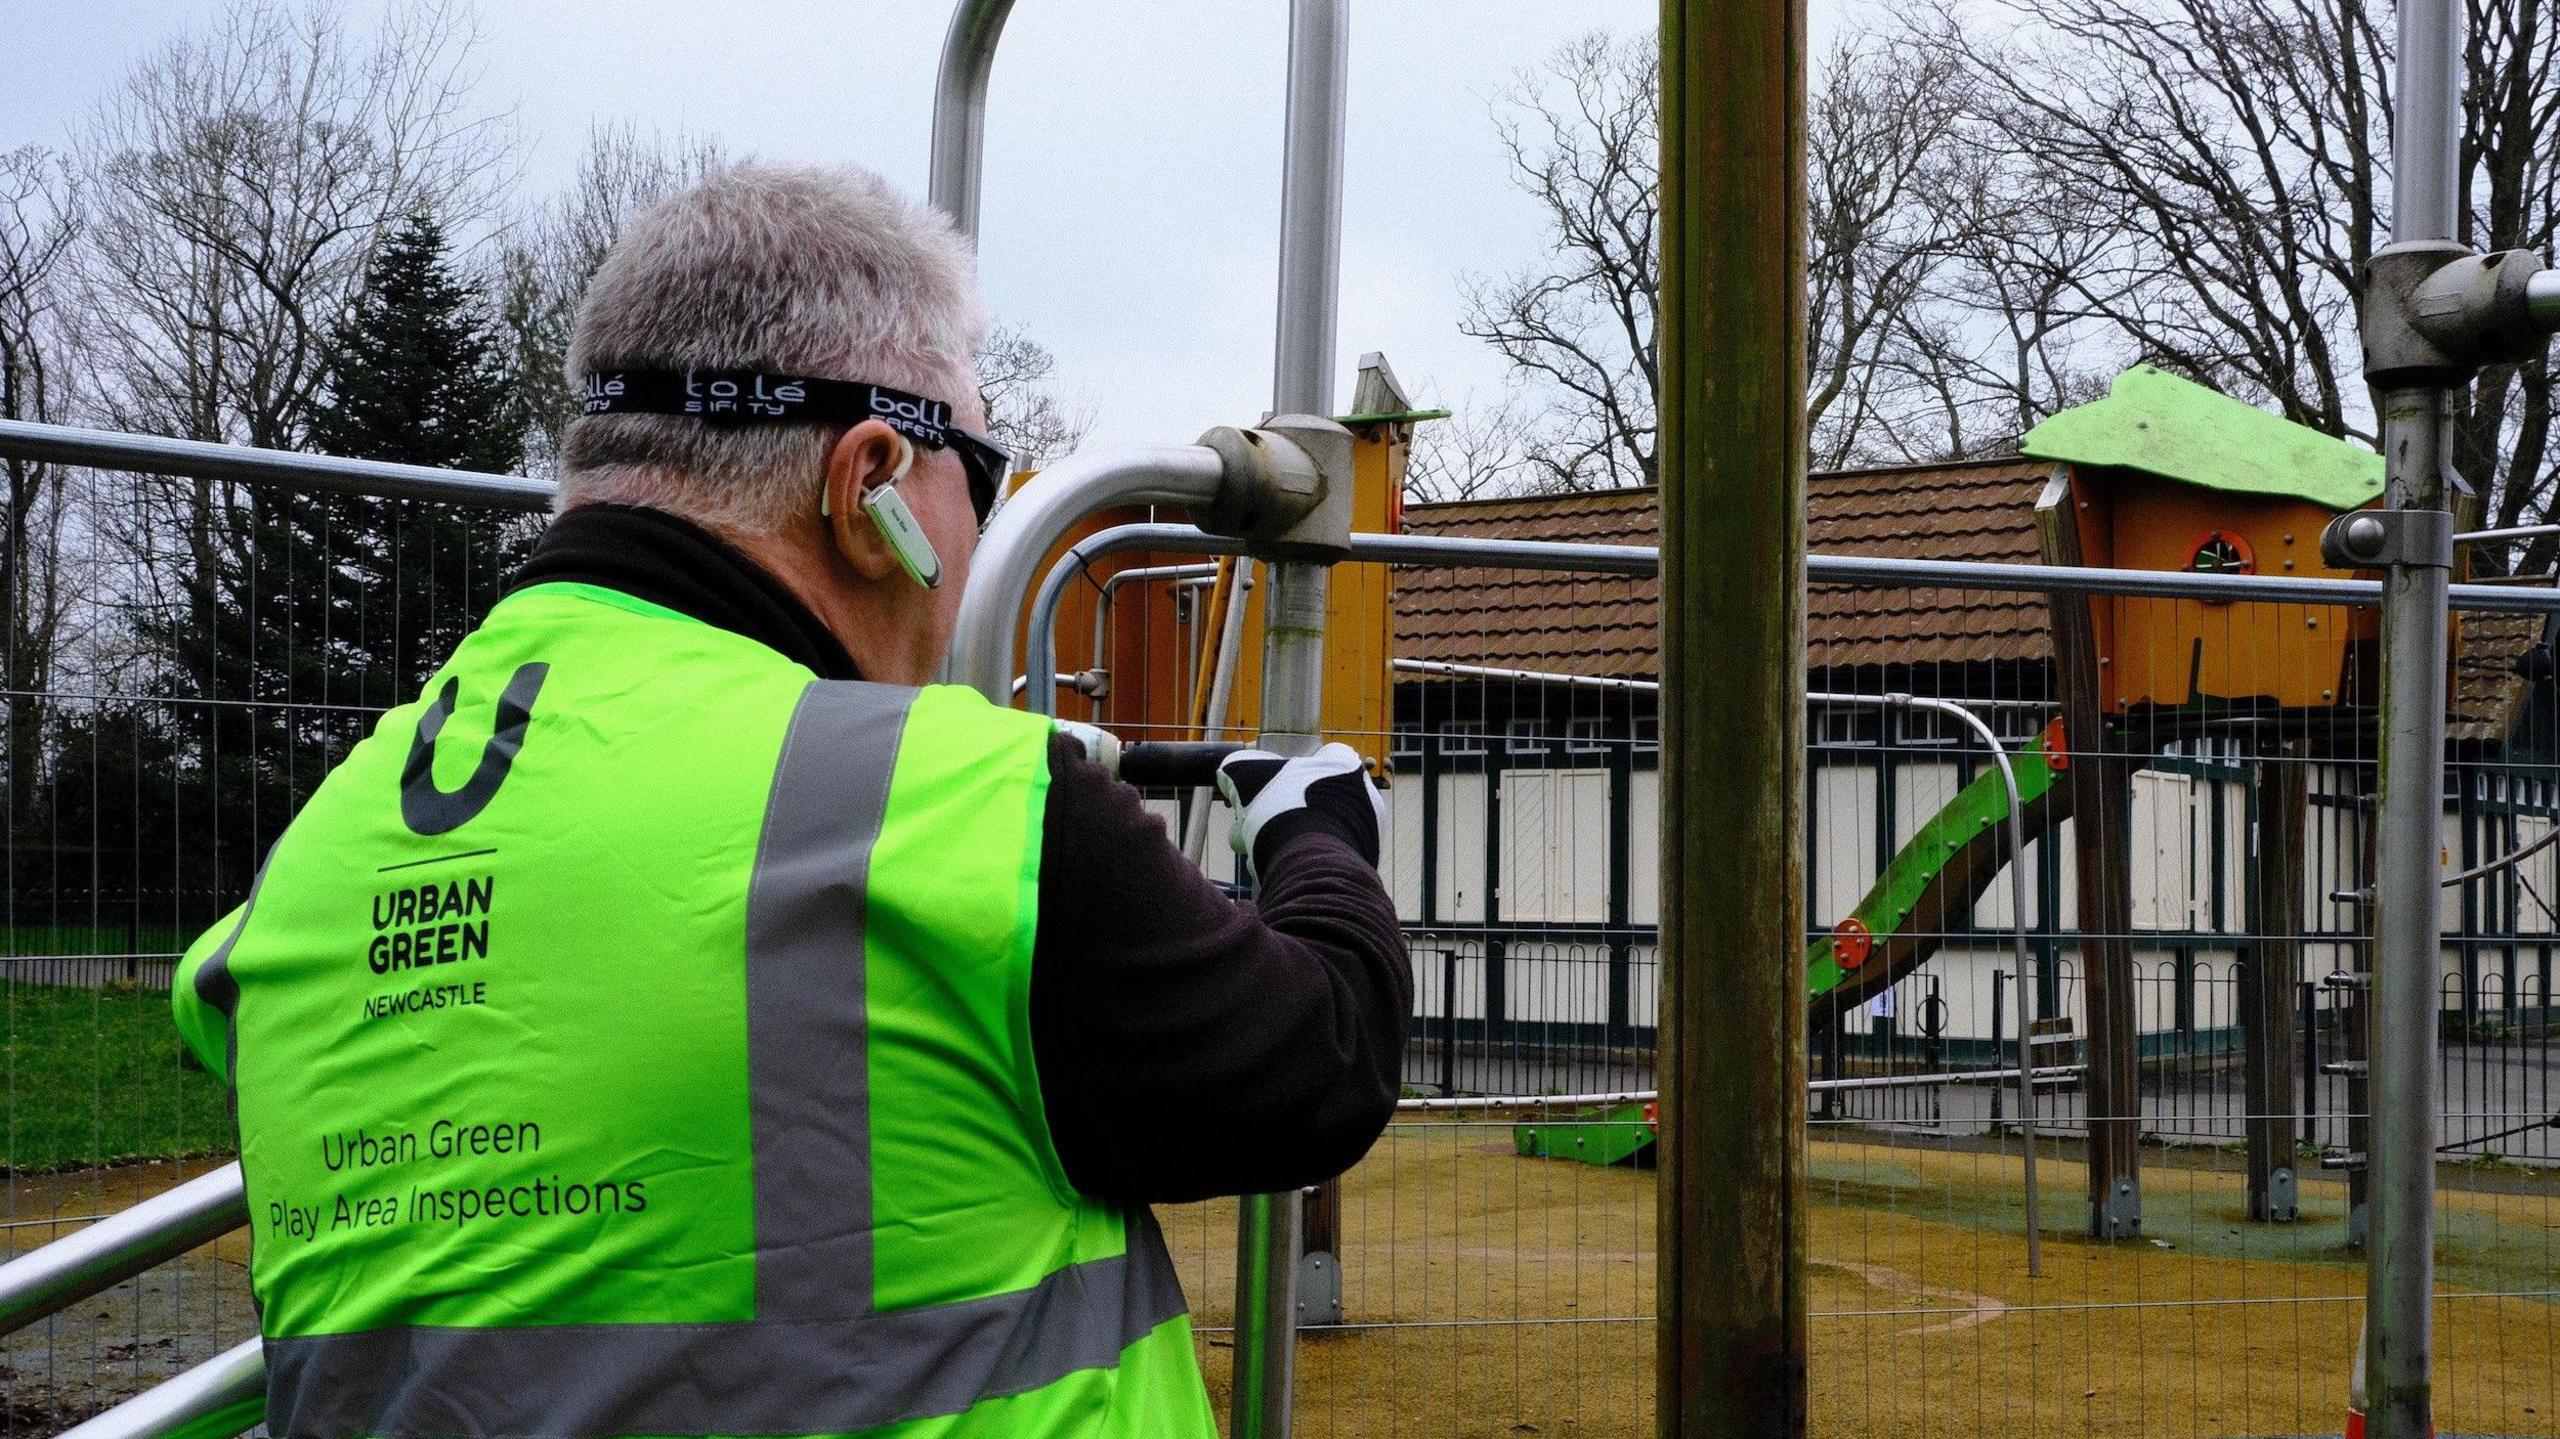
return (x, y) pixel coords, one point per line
(95, 1076)
(67, 939)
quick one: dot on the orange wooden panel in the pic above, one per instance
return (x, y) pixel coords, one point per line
(2174, 652)
(1157, 648)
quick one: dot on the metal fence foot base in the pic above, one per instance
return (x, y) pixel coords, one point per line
(2283, 1202)
(1319, 1289)
(2121, 1216)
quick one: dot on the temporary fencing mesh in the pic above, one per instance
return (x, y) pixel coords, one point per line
(202, 653)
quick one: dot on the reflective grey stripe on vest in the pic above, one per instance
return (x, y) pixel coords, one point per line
(808, 1059)
(216, 985)
(758, 1377)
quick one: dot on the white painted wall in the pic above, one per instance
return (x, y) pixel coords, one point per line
(1553, 843)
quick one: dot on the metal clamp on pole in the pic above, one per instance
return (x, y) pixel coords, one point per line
(2378, 539)
(2435, 312)
(1286, 490)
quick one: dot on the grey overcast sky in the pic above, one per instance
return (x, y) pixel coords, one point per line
(1133, 153)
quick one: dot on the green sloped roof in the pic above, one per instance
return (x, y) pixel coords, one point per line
(2156, 423)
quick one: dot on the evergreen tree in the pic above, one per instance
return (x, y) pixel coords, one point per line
(319, 609)
(420, 378)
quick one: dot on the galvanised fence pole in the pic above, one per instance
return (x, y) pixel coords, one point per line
(1268, 1225)
(2417, 447)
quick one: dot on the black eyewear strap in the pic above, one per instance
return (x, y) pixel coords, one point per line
(724, 397)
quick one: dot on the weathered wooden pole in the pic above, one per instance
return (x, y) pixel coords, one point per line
(2267, 997)
(1732, 454)
(2099, 779)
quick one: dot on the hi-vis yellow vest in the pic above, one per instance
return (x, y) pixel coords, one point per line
(632, 1037)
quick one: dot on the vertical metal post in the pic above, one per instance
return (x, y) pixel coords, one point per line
(1222, 679)
(1731, 1236)
(2018, 943)
(2400, 1265)
(1999, 1040)
(960, 109)
(2027, 1126)
(2280, 798)
(1267, 1225)
(2417, 448)
(1448, 1023)
(2310, 1064)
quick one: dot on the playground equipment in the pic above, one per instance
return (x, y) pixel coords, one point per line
(1940, 873)
(51, 1277)
(2165, 474)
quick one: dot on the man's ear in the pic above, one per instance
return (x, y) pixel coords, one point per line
(867, 456)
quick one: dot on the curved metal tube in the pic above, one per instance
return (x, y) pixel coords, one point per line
(1409, 551)
(231, 1387)
(1041, 637)
(2509, 860)
(1037, 519)
(197, 459)
(45, 1280)
(960, 110)
(2017, 931)
(1111, 584)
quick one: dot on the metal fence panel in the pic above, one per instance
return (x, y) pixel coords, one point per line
(1488, 1286)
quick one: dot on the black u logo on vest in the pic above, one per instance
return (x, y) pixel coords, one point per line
(430, 810)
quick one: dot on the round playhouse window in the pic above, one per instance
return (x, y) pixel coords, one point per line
(2220, 552)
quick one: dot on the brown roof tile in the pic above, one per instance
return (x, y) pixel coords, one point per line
(1597, 626)
(2486, 685)
(1979, 511)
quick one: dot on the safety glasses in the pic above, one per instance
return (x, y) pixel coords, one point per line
(730, 397)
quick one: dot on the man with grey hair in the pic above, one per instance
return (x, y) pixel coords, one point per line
(682, 1019)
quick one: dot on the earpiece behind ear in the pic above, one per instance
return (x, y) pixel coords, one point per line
(906, 538)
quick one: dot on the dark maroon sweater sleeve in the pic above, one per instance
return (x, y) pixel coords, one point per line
(1189, 1045)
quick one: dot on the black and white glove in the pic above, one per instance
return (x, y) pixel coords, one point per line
(1275, 798)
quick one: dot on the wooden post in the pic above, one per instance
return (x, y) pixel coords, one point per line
(2102, 833)
(1731, 1219)
(2267, 997)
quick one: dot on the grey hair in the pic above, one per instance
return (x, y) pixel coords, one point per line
(817, 273)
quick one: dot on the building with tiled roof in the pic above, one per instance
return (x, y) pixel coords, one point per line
(1956, 643)
(1527, 821)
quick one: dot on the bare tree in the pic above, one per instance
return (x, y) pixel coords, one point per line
(39, 224)
(2235, 154)
(1481, 451)
(1880, 123)
(1582, 132)
(2003, 337)
(239, 177)
(546, 262)
(1017, 381)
